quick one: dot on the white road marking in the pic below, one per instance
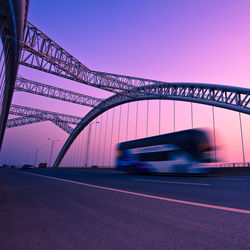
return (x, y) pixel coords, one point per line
(197, 204)
(175, 182)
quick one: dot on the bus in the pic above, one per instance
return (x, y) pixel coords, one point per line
(186, 151)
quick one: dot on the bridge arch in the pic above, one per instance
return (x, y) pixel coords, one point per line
(227, 97)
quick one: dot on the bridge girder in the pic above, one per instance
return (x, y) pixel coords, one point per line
(42, 89)
(236, 99)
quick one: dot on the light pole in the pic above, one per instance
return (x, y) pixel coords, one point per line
(36, 154)
(26, 157)
(88, 140)
(52, 147)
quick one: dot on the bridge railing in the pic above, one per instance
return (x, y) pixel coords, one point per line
(232, 164)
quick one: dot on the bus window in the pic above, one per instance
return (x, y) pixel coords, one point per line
(154, 156)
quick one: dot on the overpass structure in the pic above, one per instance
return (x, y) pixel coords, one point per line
(40, 52)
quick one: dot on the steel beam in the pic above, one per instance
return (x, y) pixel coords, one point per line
(42, 89)
(43, 114)
(31, 115)
(20, 121)
(25, 120)
(63, 125)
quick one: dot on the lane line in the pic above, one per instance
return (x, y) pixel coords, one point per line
(197, 204)
(174, 182)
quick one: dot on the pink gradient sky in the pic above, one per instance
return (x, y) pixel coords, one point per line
(188, 41)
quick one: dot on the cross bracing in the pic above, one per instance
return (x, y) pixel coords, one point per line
(237, 99)
(42, 89)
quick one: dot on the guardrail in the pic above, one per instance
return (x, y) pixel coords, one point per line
(232, 164)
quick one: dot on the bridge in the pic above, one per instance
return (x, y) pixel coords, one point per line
(81, 202)
(38, 51)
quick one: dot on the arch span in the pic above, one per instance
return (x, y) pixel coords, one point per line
(232, 98)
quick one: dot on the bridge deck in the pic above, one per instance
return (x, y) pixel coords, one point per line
(41, 212)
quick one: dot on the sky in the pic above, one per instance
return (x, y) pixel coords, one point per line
(172, 41)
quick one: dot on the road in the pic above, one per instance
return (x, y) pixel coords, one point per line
(97, 209)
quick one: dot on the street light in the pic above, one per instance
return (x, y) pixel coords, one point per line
(52, 147)
(87, 148)
(36, 154)
(26, 157)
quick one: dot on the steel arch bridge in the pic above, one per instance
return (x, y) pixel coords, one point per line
(40, 52)
(232, 98)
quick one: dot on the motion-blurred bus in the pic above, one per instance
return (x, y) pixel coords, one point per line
(185, 151)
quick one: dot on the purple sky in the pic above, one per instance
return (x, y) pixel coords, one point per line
(188, 41)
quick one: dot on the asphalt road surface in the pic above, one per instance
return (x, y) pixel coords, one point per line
(97, 209)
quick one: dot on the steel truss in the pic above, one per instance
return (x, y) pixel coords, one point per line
(63, 125)
(43, 114)
(25, 120)
(31, 115)
(20, 121)
(42, 53)
(225, 97)
(42, 89)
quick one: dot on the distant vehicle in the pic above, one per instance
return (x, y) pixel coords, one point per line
(42, 165)
(13, 166)
(26, 166)
(185, 151)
